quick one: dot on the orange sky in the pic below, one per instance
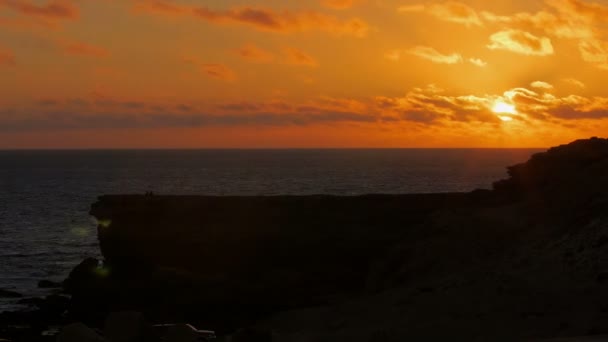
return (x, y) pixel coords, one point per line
(306, 73)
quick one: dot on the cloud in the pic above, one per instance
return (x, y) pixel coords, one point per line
(478, 62)
(133, 114)
(263, 19)
(579, 20)
(294, 56)
(430, 105)
(594, 52)
(53, 9)
(541, 85)
(574, 82)
(455, 12)
(84, 49)
(424, 107)
(218, 71)
(393, 55)
(451, 11)
(160, 7)
(435, 56)
(7, 58)
(571, 107)
(255, 54)
(288, 55)
(521, 42)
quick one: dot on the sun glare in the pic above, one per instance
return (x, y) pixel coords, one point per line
(501, 107)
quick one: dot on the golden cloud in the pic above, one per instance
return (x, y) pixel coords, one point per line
(564, 19)
(456, 12)
(435, 56)
(430, 105)
(448, 11)
(521, 42)
(541, 85)
(478, 62)
(595, 52)
(574, 82)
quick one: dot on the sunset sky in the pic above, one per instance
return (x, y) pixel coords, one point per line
(306, 73)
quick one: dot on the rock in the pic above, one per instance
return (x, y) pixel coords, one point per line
(54, 304)
(181, 333)
(83, 273)
(79, 332)
(48, 284)
(129, 326)
(9, 294)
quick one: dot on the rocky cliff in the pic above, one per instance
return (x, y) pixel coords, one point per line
(527, 259)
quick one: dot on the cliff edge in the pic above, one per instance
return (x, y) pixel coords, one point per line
(527, 259)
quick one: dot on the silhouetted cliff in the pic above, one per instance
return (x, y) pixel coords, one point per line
(526, 259)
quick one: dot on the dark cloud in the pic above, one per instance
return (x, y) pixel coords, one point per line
(53, 9)
(259, 18)
(57, 120)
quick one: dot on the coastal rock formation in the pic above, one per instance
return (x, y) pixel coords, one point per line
(527, 259)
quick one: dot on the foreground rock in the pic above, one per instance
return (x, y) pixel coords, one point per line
(79, 332)
(129, 326)
(528, 259)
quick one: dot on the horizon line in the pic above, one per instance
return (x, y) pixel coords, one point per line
(262, 148)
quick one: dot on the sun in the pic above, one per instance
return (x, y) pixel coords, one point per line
(501, 107)
(504, 111)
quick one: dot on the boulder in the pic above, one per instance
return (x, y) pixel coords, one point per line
(129, 326)
(79, 332)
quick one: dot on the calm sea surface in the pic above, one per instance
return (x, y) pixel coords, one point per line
(45, 229)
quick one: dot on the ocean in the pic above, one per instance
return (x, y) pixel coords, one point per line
(45, 196)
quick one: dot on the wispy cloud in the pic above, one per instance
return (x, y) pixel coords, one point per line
(259, 18)
(435, 56)
(541, 85)
(218, 71)
(53, 9)
(521, 42)
(574, 82)
(448, 11)
(478, 62)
